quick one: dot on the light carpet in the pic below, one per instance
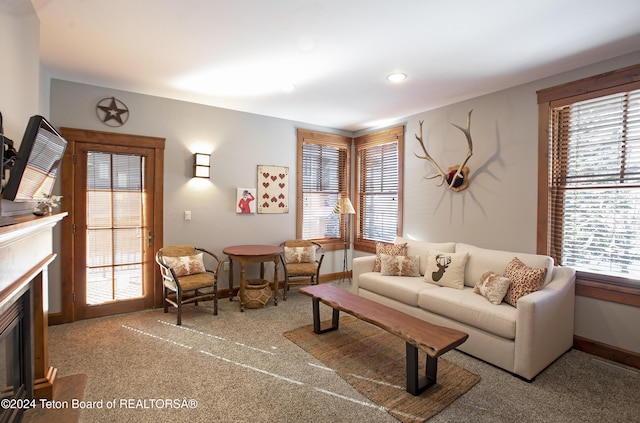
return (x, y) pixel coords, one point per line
(241, 368)
(373, 361)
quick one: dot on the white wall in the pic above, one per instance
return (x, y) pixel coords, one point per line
(20, 69)
(21, 89)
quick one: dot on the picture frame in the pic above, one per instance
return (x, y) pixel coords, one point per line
(273, 189)
(245, 200)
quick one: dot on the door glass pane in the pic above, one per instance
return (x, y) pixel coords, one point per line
(115, 228)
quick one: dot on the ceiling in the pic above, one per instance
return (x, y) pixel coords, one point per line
(243, 54)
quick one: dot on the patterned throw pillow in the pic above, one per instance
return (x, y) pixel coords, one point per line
(492, 286)
(390, 249)
(186, 265)
(399, 265)
(299, 254)
(446, 269)
(524, 280)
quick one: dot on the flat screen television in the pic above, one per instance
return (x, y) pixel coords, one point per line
(37, 163)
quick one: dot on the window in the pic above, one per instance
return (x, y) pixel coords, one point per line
(378, 201)
(591, 194)
(323, 177)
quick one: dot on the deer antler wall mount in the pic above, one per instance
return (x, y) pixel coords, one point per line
(456, 177)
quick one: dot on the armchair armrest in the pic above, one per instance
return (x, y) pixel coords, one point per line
(320, 251)
(218, 262)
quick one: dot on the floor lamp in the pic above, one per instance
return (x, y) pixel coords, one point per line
(344, 207)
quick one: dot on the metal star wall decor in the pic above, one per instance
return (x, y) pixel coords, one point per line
(112, 111)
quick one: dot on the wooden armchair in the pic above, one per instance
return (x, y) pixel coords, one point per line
(185, 278)
(301, 259)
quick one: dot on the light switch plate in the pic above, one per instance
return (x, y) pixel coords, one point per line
(187, 215)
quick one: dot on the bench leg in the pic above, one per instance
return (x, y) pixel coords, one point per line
(316, 318)
(415, 384)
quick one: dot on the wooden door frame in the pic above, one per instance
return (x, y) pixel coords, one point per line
(68, 174)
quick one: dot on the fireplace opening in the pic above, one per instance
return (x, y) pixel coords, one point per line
(16, 358)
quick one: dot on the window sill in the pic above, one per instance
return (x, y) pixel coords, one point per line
(365, 246)
(330, 245)
(608, 292)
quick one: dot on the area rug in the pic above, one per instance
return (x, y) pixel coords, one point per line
(373, 362)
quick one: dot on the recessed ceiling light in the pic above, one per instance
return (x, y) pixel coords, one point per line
(397, 77)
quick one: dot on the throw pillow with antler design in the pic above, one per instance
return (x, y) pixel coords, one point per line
(456, 177)
(446, 269)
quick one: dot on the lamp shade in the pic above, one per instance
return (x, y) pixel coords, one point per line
(344, 206)
(201, 167)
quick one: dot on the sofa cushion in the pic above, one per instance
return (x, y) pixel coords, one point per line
(482, 259)
(421, 249)
(524, 280)
(399, 288)
(446, 269)
(464, 306)
(492, 286)
(399, 265)
(390, 249)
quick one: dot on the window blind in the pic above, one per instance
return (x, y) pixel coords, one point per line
(378, 191)
(594, 192)
(324, 180)
(114, 214)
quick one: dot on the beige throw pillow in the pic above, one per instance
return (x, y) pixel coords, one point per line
(186, 265)
(446, 269)
(299, 254)
(492, 286)
(399, 265)
(524, 280)
(390, 249)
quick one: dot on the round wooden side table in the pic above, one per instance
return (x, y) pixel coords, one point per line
(246, 254)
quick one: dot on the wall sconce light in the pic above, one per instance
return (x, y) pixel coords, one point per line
(201, 166)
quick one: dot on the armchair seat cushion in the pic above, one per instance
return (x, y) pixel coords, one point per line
(294, 269)
(197, 281)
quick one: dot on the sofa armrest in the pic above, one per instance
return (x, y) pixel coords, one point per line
(361, 265)
(545, 324)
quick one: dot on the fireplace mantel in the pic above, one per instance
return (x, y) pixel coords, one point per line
(26, 250)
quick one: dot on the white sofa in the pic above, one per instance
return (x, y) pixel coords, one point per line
(523, 340)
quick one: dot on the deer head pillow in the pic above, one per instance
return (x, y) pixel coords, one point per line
(446, 269)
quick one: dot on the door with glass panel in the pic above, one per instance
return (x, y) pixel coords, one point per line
(114, 258)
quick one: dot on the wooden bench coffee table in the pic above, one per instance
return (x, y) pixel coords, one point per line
(418, 334)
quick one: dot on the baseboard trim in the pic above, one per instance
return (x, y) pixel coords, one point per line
(56, 319)
(609, 352)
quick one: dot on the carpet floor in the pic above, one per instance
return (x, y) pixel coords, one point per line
(373, 361)
(238, 367)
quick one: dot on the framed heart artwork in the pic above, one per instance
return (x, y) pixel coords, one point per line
(273, 189)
